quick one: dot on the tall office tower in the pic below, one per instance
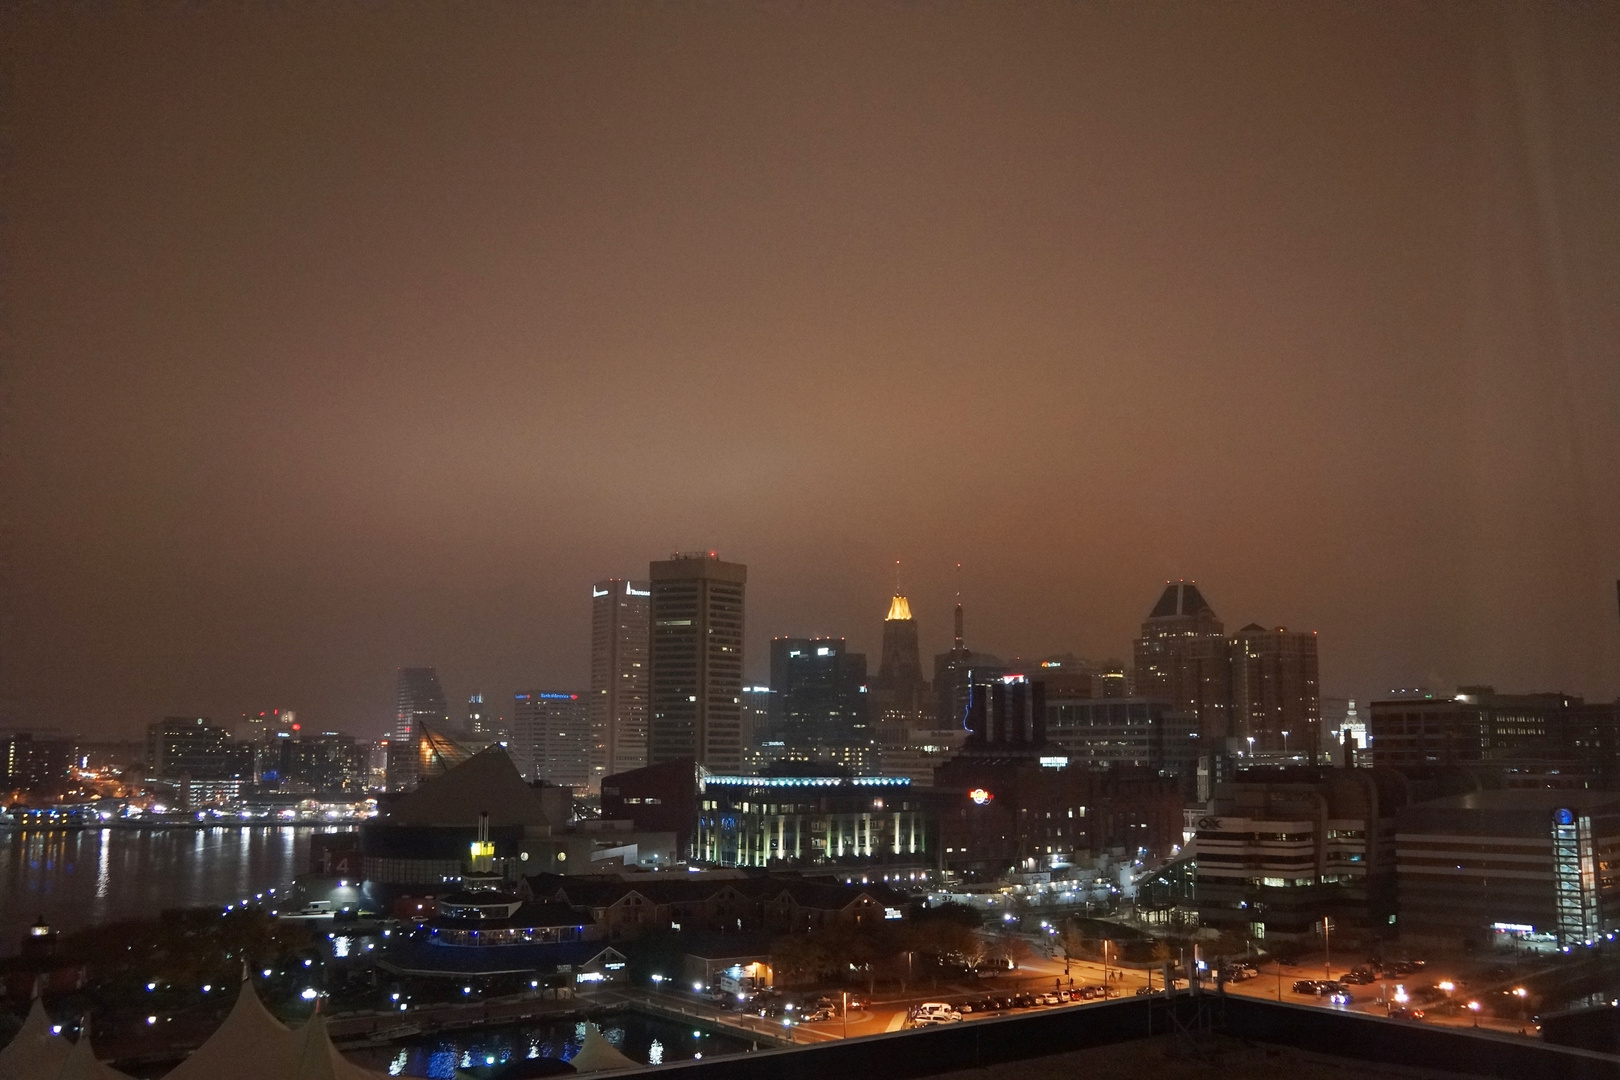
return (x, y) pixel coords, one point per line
(954, 673)
(760, 747)
(1183, 657)
(1275, 700)
(420, 713)
(696, 661)
(818, 691)
(480, 721)
(618, 677)
(419, 702)
(899, 693)
(551, 738)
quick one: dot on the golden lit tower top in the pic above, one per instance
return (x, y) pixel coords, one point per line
(899, 607)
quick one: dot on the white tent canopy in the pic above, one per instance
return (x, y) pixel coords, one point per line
(599, 1055)
(318, 1059)
(250, 1045)
(36, 1052)
(81, 1062)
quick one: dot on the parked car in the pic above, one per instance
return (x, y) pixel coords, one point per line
(818, 1016)
(935, 1012)
(1305, 986)
(1051, 999)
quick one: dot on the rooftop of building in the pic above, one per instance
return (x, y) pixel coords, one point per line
(1181, 598)
(1544, 800)
(416, 956)
(532, 914)
(487, 782)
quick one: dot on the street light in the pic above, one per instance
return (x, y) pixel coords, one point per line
(1473, 1007)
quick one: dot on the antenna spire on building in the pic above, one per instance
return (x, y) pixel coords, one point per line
(958, 607)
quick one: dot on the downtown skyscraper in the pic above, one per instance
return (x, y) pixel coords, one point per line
(1183, 657)
(419, 702)
(1255, 692)
(419, 711)
(818, 702)
(619, 672)
(696, 661)
(551, 738)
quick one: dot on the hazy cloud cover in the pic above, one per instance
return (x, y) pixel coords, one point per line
(340, 337)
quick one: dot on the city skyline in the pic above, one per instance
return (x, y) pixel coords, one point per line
(332, 362)
(756, 670)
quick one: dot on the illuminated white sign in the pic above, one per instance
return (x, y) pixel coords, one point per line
(980, 796)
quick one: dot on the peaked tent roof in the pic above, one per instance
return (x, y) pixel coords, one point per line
(81, 1062)
(1181, 598)
(599, 1055)
(35, 1052)
(250, 1045)
(486, 782)
(317, 1059)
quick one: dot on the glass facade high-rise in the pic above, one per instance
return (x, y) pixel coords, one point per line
(419, 702)
(818, 700)
(619, 670)
(420, 711)
(695, 673)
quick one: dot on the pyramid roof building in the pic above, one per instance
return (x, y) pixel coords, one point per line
(36, 1051)
(1181, 599)
(250, 1045)
(487, 782)
(598, 1055)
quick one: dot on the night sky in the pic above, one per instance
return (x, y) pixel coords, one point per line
(345, 336)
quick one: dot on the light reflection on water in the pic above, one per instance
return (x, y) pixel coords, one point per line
(82, 878)
(643, 1038)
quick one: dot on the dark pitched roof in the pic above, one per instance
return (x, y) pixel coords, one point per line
(1181, 598)
(657, 889)
(824, 896)
(423, 958)
(534, 913)
(486, 782)
(711, 945)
